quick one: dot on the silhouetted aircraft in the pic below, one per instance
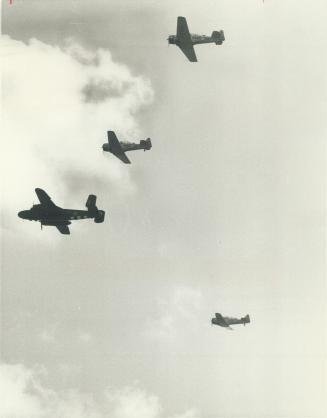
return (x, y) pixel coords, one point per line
(49, 214)
(225, 321)
(185, 40)
(118, 148)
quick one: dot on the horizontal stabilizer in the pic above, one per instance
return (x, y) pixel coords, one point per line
(218, 37)
(146, 144)
(99, 217)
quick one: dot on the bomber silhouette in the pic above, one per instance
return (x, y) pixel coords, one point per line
(47, 213)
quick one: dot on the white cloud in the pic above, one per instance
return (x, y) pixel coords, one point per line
(133, 402)
(15, 399)
(179, 311)
(58, 104)
(25, 396)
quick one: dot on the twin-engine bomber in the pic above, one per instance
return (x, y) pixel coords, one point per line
(225, 321)
(185, 40)
(50, 214)
(118, 148)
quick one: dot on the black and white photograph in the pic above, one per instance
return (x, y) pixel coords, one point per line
(163, 209)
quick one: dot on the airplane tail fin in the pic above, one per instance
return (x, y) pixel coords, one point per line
(91, 203)
(246, 319)
(146, 144)
(93, 210)
(218, 37)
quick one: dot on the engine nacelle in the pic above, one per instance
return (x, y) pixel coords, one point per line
(106, 147)
(172, 39)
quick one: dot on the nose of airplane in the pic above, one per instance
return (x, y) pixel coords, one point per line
(22, 214)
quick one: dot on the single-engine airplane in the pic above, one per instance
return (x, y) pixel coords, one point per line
(118, 148)
(185, 40)
(49, 214)
(225, 321)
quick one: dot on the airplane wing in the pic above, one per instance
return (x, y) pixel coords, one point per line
(221, 319)
(63, 229)
(123, 158)
(44, 198)
(184, 39)
(116, 148)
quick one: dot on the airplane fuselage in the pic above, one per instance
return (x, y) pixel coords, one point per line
(225, 321)
(197, 39)
(51, 216)
(128, 146)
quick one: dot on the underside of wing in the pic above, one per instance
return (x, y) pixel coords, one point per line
(184, 40)
(182, 29)
(44, 198)
(63, 229)
(122, 156)
(189, 52)
(114, 144)
(116, 148)
(221, 320)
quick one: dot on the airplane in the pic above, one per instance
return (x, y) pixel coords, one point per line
(185, 40)
(225, 321)
(50, 214)
(118, 148)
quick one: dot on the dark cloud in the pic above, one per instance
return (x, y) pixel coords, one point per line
(100, 91)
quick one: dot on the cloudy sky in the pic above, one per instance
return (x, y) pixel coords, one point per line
(225, 214)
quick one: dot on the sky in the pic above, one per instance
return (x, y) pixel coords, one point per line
(226, 212)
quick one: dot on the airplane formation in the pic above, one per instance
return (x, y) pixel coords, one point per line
(49, 214)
